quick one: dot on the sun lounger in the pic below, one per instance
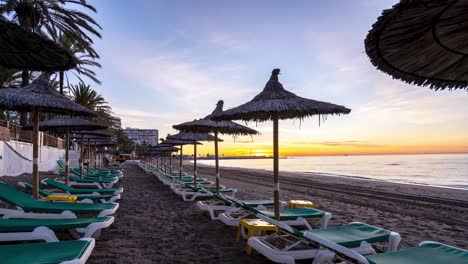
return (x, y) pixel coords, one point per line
(115, 172)
(293, 217)
(189, 193)
(33, 208)
(427, 252)
(103, 198)
(20, 229)
(99, 182)
(221, 204)
(72, 190)
(76, 171)
(290, 245)
(74, 251)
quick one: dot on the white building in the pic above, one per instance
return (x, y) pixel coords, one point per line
(140, 136)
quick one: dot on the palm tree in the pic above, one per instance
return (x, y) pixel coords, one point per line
(54, 17)
(89, 98)
(10, 78)
(85, 61)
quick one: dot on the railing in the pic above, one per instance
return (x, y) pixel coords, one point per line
(19, 134)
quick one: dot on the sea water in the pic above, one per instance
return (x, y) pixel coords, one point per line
(449, 170)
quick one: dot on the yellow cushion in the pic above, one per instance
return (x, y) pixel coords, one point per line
(62, 198)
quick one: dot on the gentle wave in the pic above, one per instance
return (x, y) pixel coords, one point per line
(447, 170)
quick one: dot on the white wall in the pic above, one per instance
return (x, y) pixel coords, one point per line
(13, 165)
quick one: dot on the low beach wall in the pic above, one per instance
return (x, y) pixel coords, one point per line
(16, 158)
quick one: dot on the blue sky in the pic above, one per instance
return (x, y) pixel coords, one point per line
(166, 62)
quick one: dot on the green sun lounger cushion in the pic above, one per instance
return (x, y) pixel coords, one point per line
(46, 193)
(87, 180)
(292, 214)
(351, 235)
(255, 203)
(252, 203)
(42, 253)
(15, 197)
(221, 190)
(79, 190)
(429, 253)
(26, 225)
(77, 173)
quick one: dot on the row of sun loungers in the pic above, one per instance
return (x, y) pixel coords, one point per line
(351, 243)
(38, 219)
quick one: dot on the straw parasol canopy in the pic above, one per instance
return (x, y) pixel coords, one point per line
(191, 136)
(209, 126)
(96, 133)
(62, 123)
(65, 124)
(21, 49)
(422, 42)
(198, 137)
(181, 143)
(39, 97)
(88, 135)
(275, 103)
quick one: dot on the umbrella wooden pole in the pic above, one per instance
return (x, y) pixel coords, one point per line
(170, 163)
(36, 154)
(195, 165)
(81, 156)
(217, 162)
(94, 156)
(276, 167)
(98, 155)
(89, 156)
(180, 162)
(67, 156)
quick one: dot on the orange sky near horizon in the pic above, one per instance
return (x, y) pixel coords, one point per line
(325, 149)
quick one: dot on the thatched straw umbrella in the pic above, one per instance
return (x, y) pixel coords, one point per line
(88, 135)
(99, 144)
(223, 127)
(180, 143)
(158, 151)
(164, 149)
(65, 124)
(422, 42)
(275, 103)
(21, 49)
(195, 137)
(39, 97)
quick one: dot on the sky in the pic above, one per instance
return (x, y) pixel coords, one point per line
(168, 62)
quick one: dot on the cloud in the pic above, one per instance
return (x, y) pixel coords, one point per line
(185, 83)
(351, 143)
(122, 111)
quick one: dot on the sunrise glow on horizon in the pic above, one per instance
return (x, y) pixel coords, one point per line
(175, 60)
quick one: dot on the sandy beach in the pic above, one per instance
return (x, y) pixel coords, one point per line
(153, 225)
(417, 212)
